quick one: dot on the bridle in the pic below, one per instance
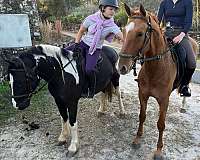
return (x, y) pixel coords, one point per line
(28, 78)
(147, 40)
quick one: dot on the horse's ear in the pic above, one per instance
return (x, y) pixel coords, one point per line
(142, 10)
(128, 9)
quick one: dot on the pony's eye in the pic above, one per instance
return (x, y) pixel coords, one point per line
(140, 34)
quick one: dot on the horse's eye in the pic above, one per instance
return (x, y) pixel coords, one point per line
(140, 34)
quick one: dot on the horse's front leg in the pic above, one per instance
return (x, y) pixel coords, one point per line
(65, 132)
(163, 105)
(143, 106)
(73, 127)
(64, 121)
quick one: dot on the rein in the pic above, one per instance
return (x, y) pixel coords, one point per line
(29, 95)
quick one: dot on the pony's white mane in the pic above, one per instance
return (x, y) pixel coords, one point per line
(54, 51)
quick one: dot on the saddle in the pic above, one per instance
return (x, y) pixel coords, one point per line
(110, 53)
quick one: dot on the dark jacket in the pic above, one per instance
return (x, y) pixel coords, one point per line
(178, 14)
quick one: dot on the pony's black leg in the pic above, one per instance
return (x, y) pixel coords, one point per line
(64, 121)
(73, 126)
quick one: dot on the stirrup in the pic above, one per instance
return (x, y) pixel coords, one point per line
(185, 91)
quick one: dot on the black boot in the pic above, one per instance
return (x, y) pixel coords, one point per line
(85, 89)
(184, 88)
(92, 84)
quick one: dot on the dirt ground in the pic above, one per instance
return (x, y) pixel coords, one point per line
(108, 137)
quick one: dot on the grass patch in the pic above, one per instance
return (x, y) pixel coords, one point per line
(6, 109)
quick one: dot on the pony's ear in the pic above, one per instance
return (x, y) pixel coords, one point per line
(128, 9)
(142, 10)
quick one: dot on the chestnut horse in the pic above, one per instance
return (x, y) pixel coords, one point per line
(144, 40)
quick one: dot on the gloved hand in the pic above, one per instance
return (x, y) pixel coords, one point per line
(77, 50)
(179, 38)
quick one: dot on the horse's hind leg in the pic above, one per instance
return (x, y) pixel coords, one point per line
(121, 106)
(184, 105)
(64, 118)
(142, 117)
(163, 105)
(64, 133)
(103, 104)
(115, 82)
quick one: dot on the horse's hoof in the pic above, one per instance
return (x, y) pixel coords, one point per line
(70, 154)
(158, 157)
(182, 110)
(60, 143)
(100, 114)
(136, 146)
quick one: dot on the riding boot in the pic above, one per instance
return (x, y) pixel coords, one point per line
(84, 93)
(184, 88)
(92, 84)
(85, 89)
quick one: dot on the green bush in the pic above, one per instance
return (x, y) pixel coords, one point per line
(78, 15)
(121, 18)
(52, 19)
(73, 19)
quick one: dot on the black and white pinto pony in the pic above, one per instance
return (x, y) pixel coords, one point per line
(65, 80)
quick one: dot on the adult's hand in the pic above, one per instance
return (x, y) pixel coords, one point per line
(179, 38)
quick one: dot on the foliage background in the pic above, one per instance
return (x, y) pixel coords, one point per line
(73, 12)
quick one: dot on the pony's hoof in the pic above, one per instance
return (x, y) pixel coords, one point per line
(182, 110)
(100, 114)
(70, 154)
(60, 143)
(158, 157)
(136, 145)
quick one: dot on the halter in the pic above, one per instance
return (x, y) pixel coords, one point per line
(147, 39)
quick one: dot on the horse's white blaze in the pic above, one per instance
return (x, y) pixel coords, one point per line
(130, 26)
(74, 141)
(55, 51)
(65, 131)
(11, 85)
